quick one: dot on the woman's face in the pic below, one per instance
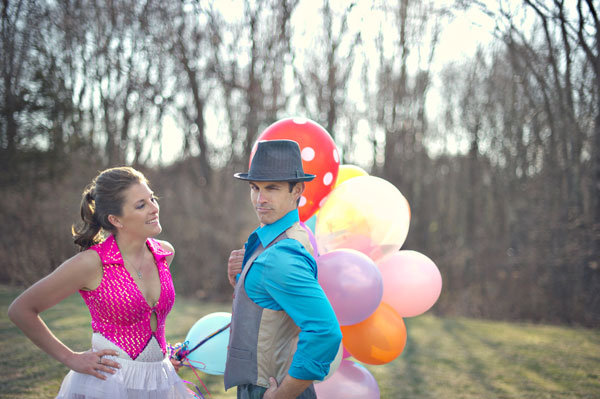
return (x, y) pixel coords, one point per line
(140, 212)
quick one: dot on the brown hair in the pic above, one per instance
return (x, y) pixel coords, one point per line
(292, 184)
(102, 197)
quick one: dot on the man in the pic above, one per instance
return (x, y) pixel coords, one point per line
(284, 333)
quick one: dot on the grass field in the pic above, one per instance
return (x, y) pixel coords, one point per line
(446, 358)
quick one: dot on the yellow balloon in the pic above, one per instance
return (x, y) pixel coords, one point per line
(347, 172)
(366, 213)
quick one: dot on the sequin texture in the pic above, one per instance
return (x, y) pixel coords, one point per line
(118, 309)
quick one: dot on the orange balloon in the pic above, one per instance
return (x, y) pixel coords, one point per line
(379, 339)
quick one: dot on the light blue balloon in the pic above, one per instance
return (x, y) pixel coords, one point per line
(211, 355)
(312, 223)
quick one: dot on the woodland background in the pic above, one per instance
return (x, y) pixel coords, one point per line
(502, 170)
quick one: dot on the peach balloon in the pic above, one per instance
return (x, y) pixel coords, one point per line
(365, 213)
(379, 339)
(412, 283)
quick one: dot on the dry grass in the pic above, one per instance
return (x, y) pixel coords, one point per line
(444, 358)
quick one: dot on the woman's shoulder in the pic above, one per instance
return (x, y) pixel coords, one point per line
(166, 246)
(162, 249)
(85, 267)
(88, 259)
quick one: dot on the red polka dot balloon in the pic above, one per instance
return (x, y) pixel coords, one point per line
(320, 157)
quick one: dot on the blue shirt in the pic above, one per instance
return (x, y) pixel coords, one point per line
(284, 277)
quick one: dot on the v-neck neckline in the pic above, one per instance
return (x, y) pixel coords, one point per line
(135, 282)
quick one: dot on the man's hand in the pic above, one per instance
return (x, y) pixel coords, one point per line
(234, 266)
(290, 388)
(270, 393)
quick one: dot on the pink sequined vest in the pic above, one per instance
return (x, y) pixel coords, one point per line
(118, 309)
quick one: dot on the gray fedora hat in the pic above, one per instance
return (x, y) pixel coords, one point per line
(276, 160)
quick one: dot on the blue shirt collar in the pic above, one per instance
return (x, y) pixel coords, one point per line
(269, 232)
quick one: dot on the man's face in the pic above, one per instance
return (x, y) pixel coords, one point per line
(272, 199)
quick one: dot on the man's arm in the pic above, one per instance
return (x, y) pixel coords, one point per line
(296, 290)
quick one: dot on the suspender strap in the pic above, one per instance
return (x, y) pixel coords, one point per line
(259, 251)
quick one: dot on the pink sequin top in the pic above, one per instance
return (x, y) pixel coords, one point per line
(119, 310)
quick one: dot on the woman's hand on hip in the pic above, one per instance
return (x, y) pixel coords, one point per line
(93, 363)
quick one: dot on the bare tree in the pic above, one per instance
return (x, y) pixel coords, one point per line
(116, 79)
(588, 33)
(325, 74)
(19, 20)
(251, 57)
(528, 109)
(186, 39)
(396, 98)
(401, 92)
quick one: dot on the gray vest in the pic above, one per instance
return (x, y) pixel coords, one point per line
(262, 342)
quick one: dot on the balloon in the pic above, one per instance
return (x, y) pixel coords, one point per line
(320, 157)
(365, 213)
(352, 283)
(311, 223)
(347, 172)
(350, 381)
(377, 340)
(346, 353)
(210, 356)
(412, 283)
(311, 238)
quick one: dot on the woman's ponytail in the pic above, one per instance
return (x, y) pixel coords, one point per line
(88, 234)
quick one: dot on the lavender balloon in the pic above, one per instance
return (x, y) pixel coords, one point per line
(311, 238)
(352, 283)
(350, 381)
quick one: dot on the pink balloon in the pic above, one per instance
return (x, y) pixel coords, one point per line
(352, 284)
(350, 381)
(345, 354)
(412, 283)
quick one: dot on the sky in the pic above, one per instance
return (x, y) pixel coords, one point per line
(459, 40)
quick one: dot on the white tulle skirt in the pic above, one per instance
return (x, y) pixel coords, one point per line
(150, 376)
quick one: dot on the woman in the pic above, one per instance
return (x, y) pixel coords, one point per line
(126, 284)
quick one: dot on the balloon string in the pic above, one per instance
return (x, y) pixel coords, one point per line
(312, 240)
(198, 377)
(208, 337)
(197, 389)
(181, 353)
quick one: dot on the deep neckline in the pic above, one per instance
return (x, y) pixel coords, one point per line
(149, 247)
